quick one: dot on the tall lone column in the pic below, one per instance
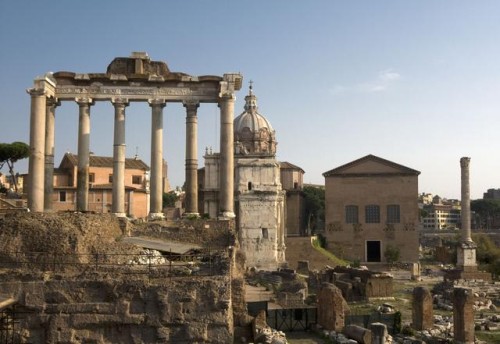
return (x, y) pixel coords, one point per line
(191, 157)
(226, 182)
(155, 210)
(465, 204)
(37, 150)
(82, 179)
(49, 153)
(118, 205)
(466, 253)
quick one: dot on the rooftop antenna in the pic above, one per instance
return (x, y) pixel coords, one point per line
(136, 152)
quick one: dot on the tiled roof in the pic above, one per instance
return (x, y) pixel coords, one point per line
(104, 161)
(287, 165)
(402, 169)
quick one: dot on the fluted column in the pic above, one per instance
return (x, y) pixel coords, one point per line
(465, 202)
(226, 183)
(118, 205)
(156, 200)
(191, 157)
(37, 150)
(49, 152)
(82, 179)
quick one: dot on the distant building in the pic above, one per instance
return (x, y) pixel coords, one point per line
(292, 181)
(492, 194)
(441, 214)
(100, 185)
(371, 204)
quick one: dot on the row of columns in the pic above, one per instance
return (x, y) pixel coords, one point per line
(41, 163)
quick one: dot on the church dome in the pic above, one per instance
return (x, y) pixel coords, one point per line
(253, 133)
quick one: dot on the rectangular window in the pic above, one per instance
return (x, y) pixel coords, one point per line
(351, 214)
(91, 177)
(372, 213)
(393, 213)
(265, 233)
(62, 196)
(136, 179)
(110, 179)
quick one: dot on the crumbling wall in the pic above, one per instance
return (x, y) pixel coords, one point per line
(79, 303)
(178, 311)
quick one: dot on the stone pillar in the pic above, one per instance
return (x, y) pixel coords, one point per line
(466, 253)
(118, 205)
(156, 200)
(49, 153)
(331, 307)
(379, 333)
(463, 316)
(465, 203)
(37, 150)
(82, 179)
(226, 182)
(191, 157)
(422, 312)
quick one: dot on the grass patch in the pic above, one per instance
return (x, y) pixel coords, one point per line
(317, 246)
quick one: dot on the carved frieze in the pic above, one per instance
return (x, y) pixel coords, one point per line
(134, 92)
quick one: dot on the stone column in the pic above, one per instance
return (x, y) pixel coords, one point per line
(422, 312)
(191, 157)
(49, 152)
(37, 150)
(466, 253)
(118, 205)
(463, 316)
(226, 171)
(465, 204)
(82, 179)
(156, 200)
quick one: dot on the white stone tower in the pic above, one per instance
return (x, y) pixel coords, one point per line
(259, 196)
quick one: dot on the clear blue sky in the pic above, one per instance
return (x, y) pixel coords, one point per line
(414, 82)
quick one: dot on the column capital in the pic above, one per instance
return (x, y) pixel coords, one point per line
(464, 162)
(191, 104)
(36, 92)
(157, 102)
(84, 101)
(120, 101)
(51, 101)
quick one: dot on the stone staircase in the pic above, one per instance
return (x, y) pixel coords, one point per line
(300, 248)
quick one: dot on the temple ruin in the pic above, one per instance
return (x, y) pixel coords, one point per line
(130, 79)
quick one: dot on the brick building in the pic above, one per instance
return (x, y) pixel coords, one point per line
(371, 204)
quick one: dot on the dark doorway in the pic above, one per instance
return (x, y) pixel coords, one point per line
(373, 251)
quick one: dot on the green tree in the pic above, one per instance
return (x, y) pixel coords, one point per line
(485, 209)
(169, 199)
(392, 254)
(314, 207)
(10, 153)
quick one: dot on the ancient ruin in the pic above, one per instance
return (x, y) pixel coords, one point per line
(132, 79)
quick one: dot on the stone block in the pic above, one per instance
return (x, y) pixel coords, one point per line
(379, 333)
(422, 311)
(358, 333)
(331, 307)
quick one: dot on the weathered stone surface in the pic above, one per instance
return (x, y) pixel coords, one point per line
(422, 312)
(332, 307)
(463, 315)
(358, 333)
